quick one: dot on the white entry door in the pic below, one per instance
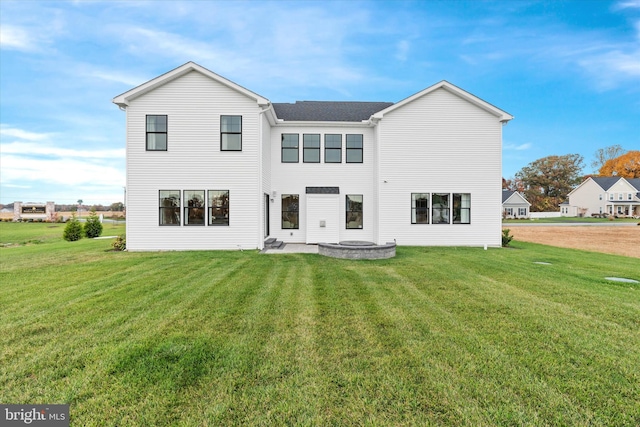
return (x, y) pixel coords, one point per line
(323, 217)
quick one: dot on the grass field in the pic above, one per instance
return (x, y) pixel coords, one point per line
(435, 336)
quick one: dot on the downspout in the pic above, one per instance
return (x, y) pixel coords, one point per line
(373, 122)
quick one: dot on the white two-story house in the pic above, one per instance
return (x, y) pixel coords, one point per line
(604, 196)
(213, 165)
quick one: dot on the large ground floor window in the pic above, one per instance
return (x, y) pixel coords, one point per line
(218, 207)
(170, 207)
(354, 211)
(290, 211)
(441, 208)
(195, 207)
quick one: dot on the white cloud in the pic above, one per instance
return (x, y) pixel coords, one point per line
(520, 147)
(24, 170)
(17, 38)
(627, 4)
(32, 149)
(22, 134)
(114, 76)
(38, 166)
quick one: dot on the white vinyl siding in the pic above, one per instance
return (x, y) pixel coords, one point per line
(193, 104)
(436, 142)
(294, 178)
(440, 143)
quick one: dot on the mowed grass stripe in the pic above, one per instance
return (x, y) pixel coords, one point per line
(435, 336)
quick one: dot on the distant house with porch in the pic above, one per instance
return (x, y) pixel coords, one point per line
(514, 205)
(603, 196)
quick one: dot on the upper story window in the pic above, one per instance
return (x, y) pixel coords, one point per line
(218, 207)
(630, 196)
(231, 133)
(156, 133)
(354, 148)
(311, 148)
(600, 197)
(194, 207)
(620, 196)
(419, 208)
(333, 148)
(169, 207)
(354, 211)
(610, 196)
(290, 144)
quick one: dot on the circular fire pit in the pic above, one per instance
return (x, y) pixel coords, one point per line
(357, 249)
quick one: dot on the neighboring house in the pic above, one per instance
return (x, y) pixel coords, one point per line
(514, 205)
(213, 165)
(599, 196)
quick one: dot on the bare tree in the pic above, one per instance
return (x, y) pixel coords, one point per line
(605, 154)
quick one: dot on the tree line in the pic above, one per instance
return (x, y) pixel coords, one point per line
(546, 182)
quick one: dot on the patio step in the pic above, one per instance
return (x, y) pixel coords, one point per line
(272, 243)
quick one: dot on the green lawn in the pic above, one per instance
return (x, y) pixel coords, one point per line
(435, 336)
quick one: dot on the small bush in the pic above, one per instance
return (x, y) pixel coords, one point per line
(93, 227)
(506, 237)
(73, 230)
(120, 244)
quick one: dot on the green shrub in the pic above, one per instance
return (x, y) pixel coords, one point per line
(120, 244)
(93, 227)
(73, 230)
(506, 237)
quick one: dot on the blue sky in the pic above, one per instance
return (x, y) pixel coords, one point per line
(568, 71)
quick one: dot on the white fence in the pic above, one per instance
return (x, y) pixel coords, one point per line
(538, 215)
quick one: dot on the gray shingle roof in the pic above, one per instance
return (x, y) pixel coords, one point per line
(606, 181)
(328, 111)
(635, 182)
(506, 194)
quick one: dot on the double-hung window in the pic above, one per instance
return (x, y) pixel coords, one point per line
(290, 144)
(462, 208)
(156, 133)
(231, 133)
(311, 148)
(522, 211)
(354, 148)
(194, 208)
(354, 211)
(440, 208)
(218, 207)
(169, 207)
(419, 208)
(333, 148)
(290, 211)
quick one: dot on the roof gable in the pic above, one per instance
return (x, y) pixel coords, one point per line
(606, 182)
(513, 197)
(503, 116)
(635, 182)
(123, 100)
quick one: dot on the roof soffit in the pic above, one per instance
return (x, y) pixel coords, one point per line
(123, 99)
